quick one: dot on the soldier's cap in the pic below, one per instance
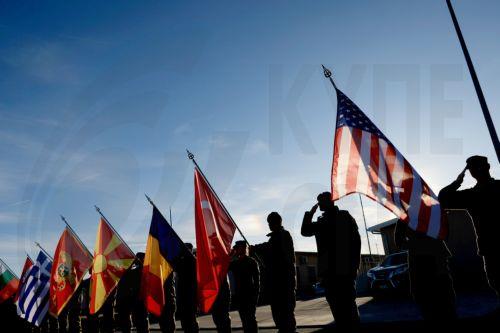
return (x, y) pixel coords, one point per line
(325, 196)
(189, 245)
(140, 255)
(477, 161)
(274, 216)
(241, 243)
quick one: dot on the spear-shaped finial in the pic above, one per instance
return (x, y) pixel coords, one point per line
(64, 219)
(149, 199)
(97, 209)
(190, 155)
(328, 75)
(326, 72)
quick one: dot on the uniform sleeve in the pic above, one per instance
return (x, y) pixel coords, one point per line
(450, 197)
(308, 228)
(256, 277)
(288, 248)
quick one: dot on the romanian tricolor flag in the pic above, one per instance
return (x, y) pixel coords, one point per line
(112, 258)
(8, 283)
(71, 262)
(163, 250)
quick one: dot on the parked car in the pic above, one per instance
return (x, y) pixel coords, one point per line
(391, 275)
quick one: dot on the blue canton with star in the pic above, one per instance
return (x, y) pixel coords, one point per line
(348, 114)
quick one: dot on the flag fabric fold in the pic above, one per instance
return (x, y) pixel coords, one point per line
(8, 283)
(214, 235)
(366, 162)
(28, 263)
(71, 262)
(112, 258)
(163, 250)
(33, 302)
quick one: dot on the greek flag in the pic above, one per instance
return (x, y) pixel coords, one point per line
(33, 302)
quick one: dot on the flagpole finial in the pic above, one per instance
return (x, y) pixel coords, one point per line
(97, 209)
(149, 199)
(326, 72)
(190, 154)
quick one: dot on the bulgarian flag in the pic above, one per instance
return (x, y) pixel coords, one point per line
(112, 258)
(8, 282)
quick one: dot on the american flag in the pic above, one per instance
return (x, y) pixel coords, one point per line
(366, 162)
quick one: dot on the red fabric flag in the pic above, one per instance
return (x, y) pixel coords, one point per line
(112, 258)
(71, 262)
(214, 235)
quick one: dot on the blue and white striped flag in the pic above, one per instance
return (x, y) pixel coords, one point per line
(33, 302)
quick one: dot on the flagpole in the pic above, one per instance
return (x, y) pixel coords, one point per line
(43, 250)
(191, 157)
(176, 235)
(475, 80)
(7, 266)
(76, 236)
(170, 213)
(112, 228)
(29, 257)
(328, 75)
(366, 227)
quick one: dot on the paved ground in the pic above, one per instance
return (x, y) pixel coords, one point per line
(387, 315)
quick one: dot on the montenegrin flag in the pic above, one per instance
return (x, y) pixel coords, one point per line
(214, 235)
(112, 258)
(8, 283)
(163, 250)
(71, 261)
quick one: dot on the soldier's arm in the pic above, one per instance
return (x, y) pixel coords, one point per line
(308, 228)
(256, 277)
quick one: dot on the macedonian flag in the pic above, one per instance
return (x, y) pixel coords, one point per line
(71, 262)
(112, 258)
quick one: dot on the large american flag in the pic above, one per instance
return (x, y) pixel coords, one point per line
(365, 161)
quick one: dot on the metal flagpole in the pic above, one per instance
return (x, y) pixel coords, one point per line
(114, 230)
(184, 244)
(191, 157)
(170, 213)
(7, 266)
(366, 227)
(76, 236)
(475, 80)
(29, 257)
(43, 250)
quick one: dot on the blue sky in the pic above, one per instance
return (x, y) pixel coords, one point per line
(99, 100)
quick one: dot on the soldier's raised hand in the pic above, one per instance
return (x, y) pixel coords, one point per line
(461, 176)
(313, 209)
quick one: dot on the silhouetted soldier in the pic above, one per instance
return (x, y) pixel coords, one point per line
(88, 322)
(69, 319)
(128, 302)
(221, 307)
(247, 286)
(339, 250)
(185, 287)
(430, 280)
(279, 257)
(482, 202)
(167, 318)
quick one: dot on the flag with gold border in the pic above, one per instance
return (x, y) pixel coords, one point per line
(71, 261)
(112, 258)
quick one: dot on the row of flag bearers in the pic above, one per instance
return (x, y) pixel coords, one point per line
(48, 285)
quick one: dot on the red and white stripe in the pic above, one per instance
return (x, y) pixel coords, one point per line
(365, 163)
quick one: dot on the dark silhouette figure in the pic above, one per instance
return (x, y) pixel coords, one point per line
(128, 302)
(69, 319)
(221, 307)
(481, 201)
(279, 255)
(339, 247)
(247, 286)
(430, 280)
(88, 322)
(185, 288)
(167, 318)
